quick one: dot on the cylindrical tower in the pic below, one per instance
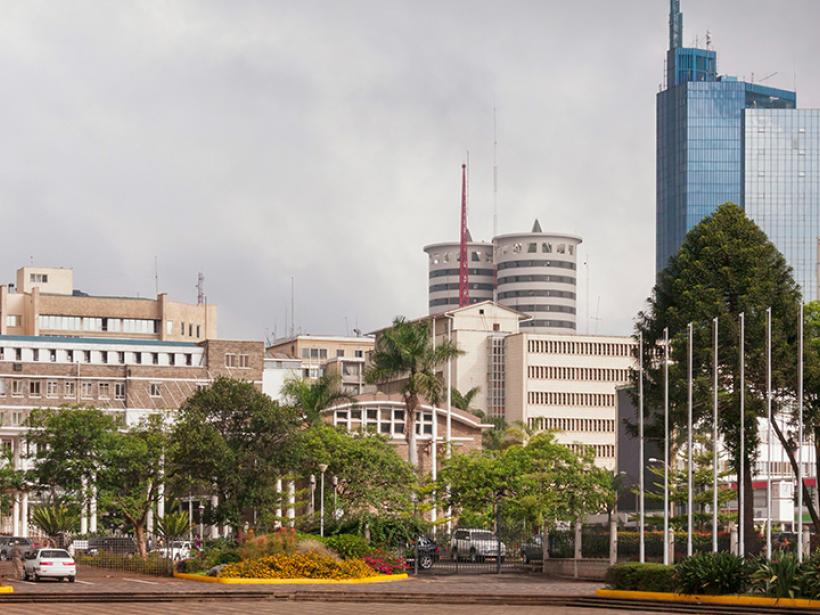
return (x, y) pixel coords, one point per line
(443, 261)
(536, 275)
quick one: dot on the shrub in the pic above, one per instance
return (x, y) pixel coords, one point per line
(314, 545)
(283, 540)
(310, 565)
(712, 574)
(641, 577)
(348, 546)
(385, 563)
(810, 577)
(781, 577)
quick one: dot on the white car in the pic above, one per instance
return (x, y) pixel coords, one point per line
(53, 563)
(179, 549)
(476, 545)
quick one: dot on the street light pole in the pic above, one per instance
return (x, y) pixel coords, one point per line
(690, 466)
(201, 509)
(335, 482)
(666, 446)
(322, 469)
(641, 468)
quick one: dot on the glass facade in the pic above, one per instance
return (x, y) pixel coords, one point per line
(782, 185)
(700, 139)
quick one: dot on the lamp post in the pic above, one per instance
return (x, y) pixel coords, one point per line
(335, 482)
(642, 546)
(322, 469)
(715, 439)
(800, 438)
(741, 480)
(666, 446)
(769, 433)
(690, 524)
(201, 510)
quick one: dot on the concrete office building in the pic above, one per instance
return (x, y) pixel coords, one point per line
(128, 356)
(533, 273)
(443, 259)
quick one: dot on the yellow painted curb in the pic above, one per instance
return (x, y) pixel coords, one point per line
(6, 589)
(803, 603)
(382, 578)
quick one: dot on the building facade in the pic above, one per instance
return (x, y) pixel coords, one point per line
(534, 273)
(711, 149)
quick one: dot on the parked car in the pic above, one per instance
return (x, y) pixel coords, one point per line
(477, 545)
(177, 550)
(428, 552)
(533, 550)
(51, 563)
(117, 545)
(6, 543)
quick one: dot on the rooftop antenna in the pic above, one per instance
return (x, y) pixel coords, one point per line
(675, 25)
(200, 288)
(292, 305)
(708, 40)
(463, 282)
(156, 276)
(769, 76)
(586, 269)
(495, 174)
(597, 311)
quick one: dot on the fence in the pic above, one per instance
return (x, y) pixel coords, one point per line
(121, 553)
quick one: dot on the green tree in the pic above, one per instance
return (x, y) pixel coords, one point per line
(233, 440)
(129, 479)
(12, 480)
(173, 526)
(312, 398)
(405, 351)
(463, 401)
(370, 474)
(57, 520)
(725, 266)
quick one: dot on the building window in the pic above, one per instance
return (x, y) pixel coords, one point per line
(172, 359)
(190, 330)
(13, 320)
(155, 358)
(18, 354)
(189, 359)
(230, 360)
(52, 355)
(153, 390)
(169, 327)
(120, 358)
(69, 356)
(359, 354)
(86, 356)
(16, 388)
(182, 328)
(138, 358)
(340, 352)
(70, 389)
(105, 389)
(2, 387)
(243, 361)
(87, 391)
(198, 330)
(119, 390)
(51, 389)
(104, 356)
(35, 354)
(34, 388)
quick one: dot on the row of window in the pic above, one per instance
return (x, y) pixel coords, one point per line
(455, 257)
(103, 357)
(587, 400)
(592, 374)
(515, 279)
(236, 360)
(54, 389)
(536, 263)
(441, 273)
(551, 324)
(434, 288)
(605, 349)
(542, 423)
(545, 247)
(322, 353)
(602, 451)
(93, 323)
(386, 421)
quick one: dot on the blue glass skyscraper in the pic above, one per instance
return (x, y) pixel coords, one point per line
(701, 150)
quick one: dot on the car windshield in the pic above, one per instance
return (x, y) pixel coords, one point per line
(483, 536)
(57, 553)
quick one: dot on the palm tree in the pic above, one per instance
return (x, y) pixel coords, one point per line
(462, 401)
(313, 398)
(56, 520)
(405, 353)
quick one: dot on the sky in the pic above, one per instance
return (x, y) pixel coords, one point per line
(257, 142)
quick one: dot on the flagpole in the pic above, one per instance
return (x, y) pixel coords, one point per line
(800, 439)
(690, 464)
(742, 465)
(642, 554)
(769, 433)
(715, 469)
(666, 446)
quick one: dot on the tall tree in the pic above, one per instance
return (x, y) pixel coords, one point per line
(232, 440)
(405, 352)
(313, 398)
(725, 266)
(463, 401)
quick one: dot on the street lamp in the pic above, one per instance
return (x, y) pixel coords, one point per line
(322, 469)
(201, 509)
(335, 492)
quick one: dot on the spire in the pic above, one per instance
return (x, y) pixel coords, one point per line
(675, 25)
(536, 228)
(469, 236)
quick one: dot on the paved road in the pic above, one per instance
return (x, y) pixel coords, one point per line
(242, 607)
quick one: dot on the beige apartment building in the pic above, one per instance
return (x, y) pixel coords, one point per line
(131, 357)
(44, 302)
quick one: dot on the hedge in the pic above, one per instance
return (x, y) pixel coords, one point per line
(641, 577)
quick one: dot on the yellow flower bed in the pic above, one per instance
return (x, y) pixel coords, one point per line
(309, 565)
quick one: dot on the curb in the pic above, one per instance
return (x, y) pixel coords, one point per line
(382, 578)
(6, 589)
(618, 594)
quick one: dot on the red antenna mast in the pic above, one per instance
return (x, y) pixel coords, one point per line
(463, 282)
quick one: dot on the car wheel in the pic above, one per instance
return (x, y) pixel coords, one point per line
(426, 562)
(36, 578)
(70, 579)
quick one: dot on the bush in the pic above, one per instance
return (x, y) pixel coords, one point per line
(641, 577)
(348, 546)
(782, 577)
(385, 563)
(283, 540)
(712, 574)
(310, 565)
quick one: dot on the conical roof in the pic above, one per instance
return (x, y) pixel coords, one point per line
(536, 227)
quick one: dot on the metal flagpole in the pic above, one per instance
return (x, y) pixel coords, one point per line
(800, 438)
(741, 480)
(666, 446)
(434, 448)
(769, 433)
(641, 467)
(715, 469)
(690, 485)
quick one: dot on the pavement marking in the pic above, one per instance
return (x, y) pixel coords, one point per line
(83, 582)
(141, 581)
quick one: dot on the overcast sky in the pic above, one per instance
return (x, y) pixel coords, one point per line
(255, 141)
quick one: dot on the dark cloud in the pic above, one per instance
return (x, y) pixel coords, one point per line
(258, 140)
